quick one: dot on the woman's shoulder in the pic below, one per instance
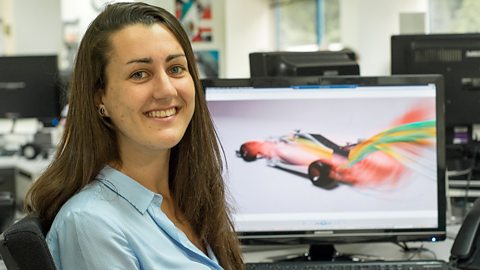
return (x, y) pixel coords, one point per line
(95, 200)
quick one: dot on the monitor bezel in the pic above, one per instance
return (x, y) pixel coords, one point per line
(349, 236)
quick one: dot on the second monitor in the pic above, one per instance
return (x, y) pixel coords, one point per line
(29, 88)
(456, 57)
(316, 63)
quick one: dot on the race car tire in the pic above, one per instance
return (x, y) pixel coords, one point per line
(245, 154)
(319, 174)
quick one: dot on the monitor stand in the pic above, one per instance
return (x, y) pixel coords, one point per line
(320, 252)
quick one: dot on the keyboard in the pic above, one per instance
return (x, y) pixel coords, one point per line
(376, 265)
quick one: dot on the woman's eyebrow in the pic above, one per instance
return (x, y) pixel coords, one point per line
(145, 60)
(149, 60)
(174, 56)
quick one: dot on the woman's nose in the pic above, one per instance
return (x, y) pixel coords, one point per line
(163, 86)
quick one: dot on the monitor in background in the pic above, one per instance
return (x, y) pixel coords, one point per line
(456, 57)
(332, 160)
(29, 88)
(316, 63)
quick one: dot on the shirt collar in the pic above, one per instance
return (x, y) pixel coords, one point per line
(132, 191)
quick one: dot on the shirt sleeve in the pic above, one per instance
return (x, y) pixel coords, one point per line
(86, 241)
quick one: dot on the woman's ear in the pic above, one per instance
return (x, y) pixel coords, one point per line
(102, 110)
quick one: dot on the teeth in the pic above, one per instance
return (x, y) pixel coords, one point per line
(162, 114)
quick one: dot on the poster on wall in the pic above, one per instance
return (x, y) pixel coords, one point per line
(196, 17)
(207, 63)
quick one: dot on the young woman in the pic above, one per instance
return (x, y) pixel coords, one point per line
(137, 179)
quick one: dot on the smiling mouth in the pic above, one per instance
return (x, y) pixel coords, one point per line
(162, 113)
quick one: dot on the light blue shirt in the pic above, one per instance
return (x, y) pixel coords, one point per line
(116, 223)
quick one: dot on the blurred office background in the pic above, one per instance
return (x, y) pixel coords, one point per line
(235, 28)
(223, 34)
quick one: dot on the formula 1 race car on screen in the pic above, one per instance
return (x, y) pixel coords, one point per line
(378, 160)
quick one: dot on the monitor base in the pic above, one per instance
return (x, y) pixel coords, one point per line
(320, 252)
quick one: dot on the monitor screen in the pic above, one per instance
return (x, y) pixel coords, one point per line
(332, 159)
(456, 57)
(29, 87)
(315, 63)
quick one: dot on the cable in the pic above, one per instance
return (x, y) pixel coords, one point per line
(415, 250)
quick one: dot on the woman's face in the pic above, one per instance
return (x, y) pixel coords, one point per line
(150, 94)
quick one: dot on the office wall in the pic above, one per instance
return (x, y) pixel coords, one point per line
(241, 27)
(31, 26)
(2, 27)
(366, 27)
(248, 28)
(6, 14)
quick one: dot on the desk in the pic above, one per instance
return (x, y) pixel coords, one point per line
(24, 173)
(386, 251)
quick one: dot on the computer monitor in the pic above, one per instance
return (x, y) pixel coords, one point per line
(456, 57)
(315, 63)
(326, 160)
(29, 87)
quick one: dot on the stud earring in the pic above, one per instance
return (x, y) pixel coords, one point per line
(102, 110)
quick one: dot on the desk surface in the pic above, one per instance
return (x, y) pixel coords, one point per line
(380, 251)
(371, 251)
(439, 251)
(31, 166)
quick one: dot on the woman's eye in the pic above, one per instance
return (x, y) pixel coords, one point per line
(138, 75)
(176, 70)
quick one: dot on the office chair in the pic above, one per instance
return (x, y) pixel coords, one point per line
(23, 245)
(7, 209)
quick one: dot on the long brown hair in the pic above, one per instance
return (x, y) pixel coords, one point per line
(88, 142)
